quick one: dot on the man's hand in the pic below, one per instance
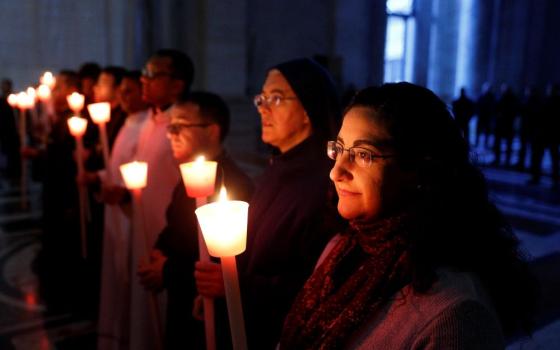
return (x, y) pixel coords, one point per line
(209, 279)
(151, 274)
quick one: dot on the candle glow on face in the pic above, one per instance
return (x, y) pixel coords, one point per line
(48, 79)
(77, 126)
(43, 92)
(135, 174)
(199, 177)
(75, 102)
(100, 112)
(224, 226)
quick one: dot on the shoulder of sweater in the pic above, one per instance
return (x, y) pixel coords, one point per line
(464, 325)
(408, 313)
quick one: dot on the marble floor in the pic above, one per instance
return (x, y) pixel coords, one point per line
(27, 323)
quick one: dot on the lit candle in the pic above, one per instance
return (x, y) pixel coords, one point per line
(224, 227)
(25, 101)
(77, 127)
(48, 79)
(44, 92)
(75, 102)
(31, 93)
(135, 174)
(199, 177)
(13, 100)
(100, 112)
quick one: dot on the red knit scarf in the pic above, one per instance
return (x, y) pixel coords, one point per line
(326, 312)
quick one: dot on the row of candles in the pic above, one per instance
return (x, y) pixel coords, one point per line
(222, 233)
(222, 224)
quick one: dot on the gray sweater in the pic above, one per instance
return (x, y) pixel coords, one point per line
(454, 314)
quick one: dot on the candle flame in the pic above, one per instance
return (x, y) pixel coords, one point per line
(223, 194)
(44, 92)
(200, 159)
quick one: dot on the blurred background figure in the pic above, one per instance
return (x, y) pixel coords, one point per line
(463, 110)
(9, 136)
(486, 109)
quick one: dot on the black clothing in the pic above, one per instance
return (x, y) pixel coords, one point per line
(463, 110)
(286, 234)
(9, 140)
(179, 242)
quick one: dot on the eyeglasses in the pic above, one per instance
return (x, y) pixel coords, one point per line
(176, 128)
(262, 100)
(362, 156)
(152, 75)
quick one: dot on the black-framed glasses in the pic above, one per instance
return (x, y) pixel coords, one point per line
(175, 128)
(152, 75)
(361, 156)
(262, 100)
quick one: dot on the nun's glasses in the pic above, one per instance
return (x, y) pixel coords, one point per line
(262, 100)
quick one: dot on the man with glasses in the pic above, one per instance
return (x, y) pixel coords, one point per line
(166, 79)
(198, 127)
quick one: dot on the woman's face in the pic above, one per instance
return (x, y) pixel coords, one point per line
(284, 125)
(378, 189)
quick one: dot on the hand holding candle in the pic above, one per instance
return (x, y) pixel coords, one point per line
(199, 178)
(135, 176)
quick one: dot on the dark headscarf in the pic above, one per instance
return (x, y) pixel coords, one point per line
(315, 89)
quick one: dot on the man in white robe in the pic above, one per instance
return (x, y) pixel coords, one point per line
(166, 79)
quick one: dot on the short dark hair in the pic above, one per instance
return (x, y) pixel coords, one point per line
(89, 70)
(182, 67)
(133, 74)
(213, 109)
(117, 72)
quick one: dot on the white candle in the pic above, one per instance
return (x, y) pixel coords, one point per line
(75, 102)
(100, 112)
(48, 79)
(31, 93)
(44, 92)
(135, 174)
(13, 100)
(224, 227)
(199, 177)
(77, 126)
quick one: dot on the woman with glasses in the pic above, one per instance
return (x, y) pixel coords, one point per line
(298, 106)
(428, 262)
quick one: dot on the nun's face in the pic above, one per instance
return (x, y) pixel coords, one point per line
(285, 124)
